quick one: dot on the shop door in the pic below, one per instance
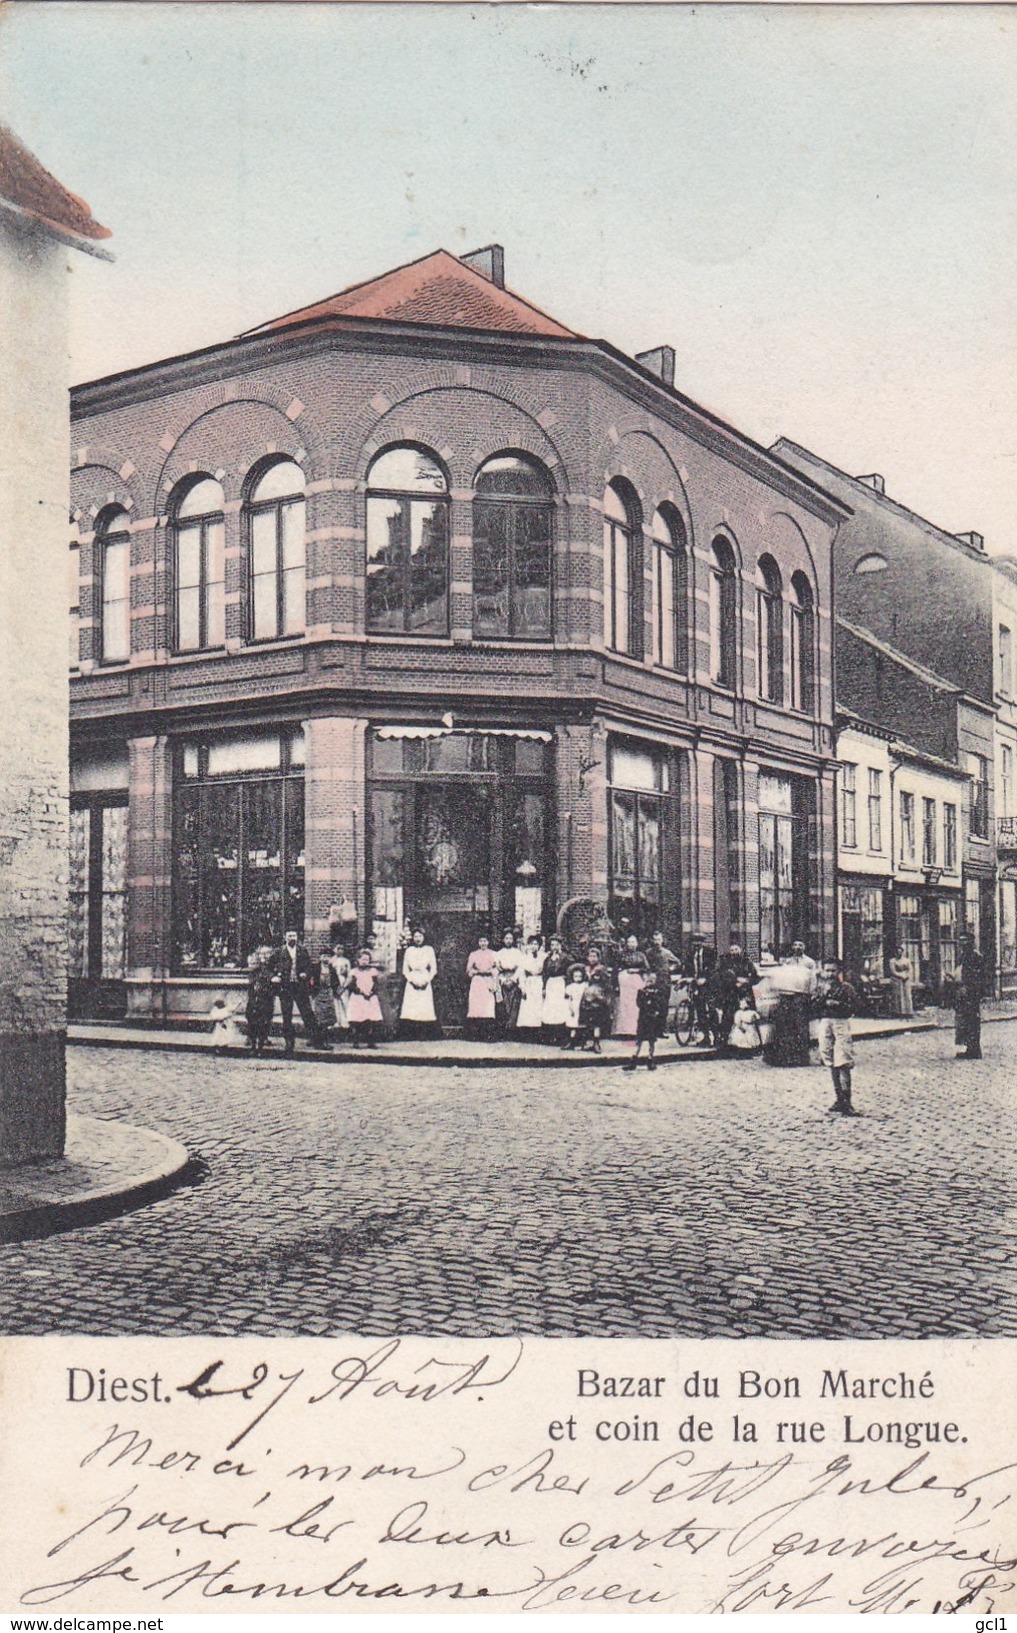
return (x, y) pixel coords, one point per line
(97, 942)
(454, 896)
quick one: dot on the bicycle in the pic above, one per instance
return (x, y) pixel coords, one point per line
(686, 1026)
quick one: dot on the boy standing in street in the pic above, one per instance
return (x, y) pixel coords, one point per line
(837, 1003)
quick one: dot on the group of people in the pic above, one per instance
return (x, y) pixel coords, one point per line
(571, 999)
(289, 976)
(542, 990)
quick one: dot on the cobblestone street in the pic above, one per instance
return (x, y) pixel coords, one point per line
(708, 1199)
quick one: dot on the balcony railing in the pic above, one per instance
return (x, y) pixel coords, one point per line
(1006, 834)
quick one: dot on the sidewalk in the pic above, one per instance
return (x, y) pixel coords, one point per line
(107, 1167)
(452, 1052)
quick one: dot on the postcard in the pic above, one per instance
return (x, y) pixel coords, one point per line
(508, 830)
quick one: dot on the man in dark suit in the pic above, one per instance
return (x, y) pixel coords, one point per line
(700, 968)
(293, 977)
(968, 1016)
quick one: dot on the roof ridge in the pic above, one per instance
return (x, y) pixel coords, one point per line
(418, 284)
(29, 189)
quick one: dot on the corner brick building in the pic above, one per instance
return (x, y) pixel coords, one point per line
(417, 606)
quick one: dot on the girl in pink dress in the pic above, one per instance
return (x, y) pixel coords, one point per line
(481, 970)
(364, 1008)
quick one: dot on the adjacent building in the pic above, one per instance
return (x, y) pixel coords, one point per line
(902, 843)
(39, 222)
(919, 648)
(417, 606)
(1004, 576)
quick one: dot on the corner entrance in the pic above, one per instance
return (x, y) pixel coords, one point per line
(458, 826)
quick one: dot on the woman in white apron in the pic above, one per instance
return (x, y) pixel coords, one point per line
(531, 1008)
(419, 970)
(554, 1013)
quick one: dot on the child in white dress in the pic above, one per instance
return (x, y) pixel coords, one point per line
(745, 1034)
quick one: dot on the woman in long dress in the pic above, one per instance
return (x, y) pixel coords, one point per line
(554, 1013)
(633, 969)
(339, 971)
(510, 976)
(480, 972)
(902, 976)
(419, 970)
(794, 984)
(532, 1006)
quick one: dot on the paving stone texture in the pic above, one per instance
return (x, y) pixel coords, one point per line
(707, 1199)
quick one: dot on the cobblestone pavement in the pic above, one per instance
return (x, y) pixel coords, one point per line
(709, 1199)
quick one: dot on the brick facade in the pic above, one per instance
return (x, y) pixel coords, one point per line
(331, 397)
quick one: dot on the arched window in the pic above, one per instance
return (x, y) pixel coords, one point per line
(623, 570)
(723, 613)
(276, 558)
(670, 591)
(407, 544)
(803, 644)
(769, 631)
(200, 567)
(512, 531)
(113, 572)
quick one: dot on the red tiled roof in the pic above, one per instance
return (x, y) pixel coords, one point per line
(438, 290)
(32, 190)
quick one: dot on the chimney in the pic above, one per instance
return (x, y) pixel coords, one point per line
(975, 540)
(659, 362)
(876, 483)
(489, 262)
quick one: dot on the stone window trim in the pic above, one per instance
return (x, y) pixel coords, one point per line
(197, 565)
(111, 587)
(769, 631)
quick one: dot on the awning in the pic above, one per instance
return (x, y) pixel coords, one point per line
(410, 733)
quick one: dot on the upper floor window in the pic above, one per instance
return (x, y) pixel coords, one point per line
(769, 631)
(723, 613)
(950, 837)
(670, 591)
(907, 826)
(803, 644)
(875, 809)
(1005, 659)
(276, 553)
(849, 804)
(112, 557)
(512, 533)
(623, 569)
(928, 833)
(978, 768)
(1005, 807)
(407, 544)
(200, 567)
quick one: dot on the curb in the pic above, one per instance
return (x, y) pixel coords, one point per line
(200, 1044)
(43, 1216)
(378, 1057)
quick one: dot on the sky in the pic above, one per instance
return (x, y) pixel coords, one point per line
(816, 206)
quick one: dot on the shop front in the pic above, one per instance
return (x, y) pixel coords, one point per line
(927, 927)
(459, 827)
(863, 929)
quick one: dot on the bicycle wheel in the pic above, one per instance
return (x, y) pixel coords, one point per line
(684, 1021)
